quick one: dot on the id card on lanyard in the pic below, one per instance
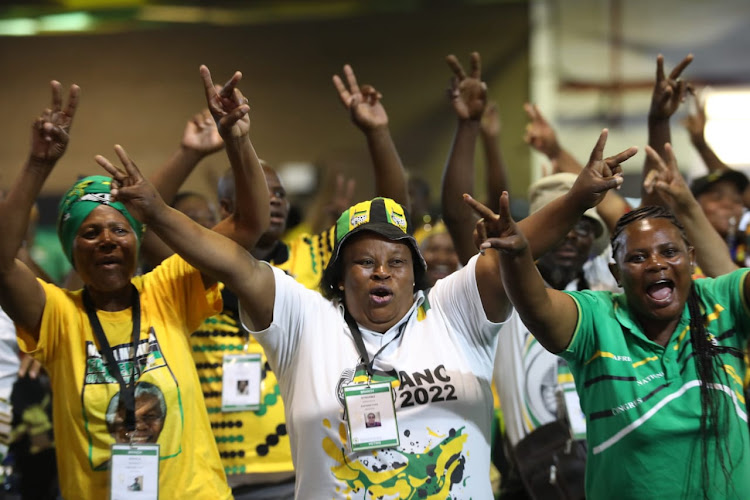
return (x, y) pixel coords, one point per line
(240, 382)
(134, 468)
(134, 472)
(370, 407)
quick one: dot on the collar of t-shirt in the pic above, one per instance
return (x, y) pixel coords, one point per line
(375, 340)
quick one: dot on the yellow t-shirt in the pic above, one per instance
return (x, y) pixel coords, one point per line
(173, 304)
(253, 443)
(308, 256)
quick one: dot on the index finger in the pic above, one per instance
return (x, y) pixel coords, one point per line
(344, 94)
(458, 70)
(208, 83)
(56, 95)
(680, 67)
(227, 91)
(73, 93)
(598, 151)
(476, 65)
(130, 167)
(660, 68)
(622, 156)
(482, 210)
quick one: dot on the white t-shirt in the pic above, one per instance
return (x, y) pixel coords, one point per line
(526, 373)
(9, 361)
(441, 370)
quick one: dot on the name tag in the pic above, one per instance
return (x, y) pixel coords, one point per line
(240, 382)
(134, 472)
(372, 416)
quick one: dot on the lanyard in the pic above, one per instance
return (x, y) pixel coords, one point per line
(360, 343)
(127, 391)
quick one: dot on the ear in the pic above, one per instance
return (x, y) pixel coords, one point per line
(691, 255)
(615, 270)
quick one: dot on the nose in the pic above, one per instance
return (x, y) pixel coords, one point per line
(656, 262)
(106, 239)
(381, 272)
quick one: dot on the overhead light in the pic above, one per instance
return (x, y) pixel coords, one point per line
(18, 27)
(69, 21)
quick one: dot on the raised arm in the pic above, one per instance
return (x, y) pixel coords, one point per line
(229, 109)
(21, 296)
(541, 136)
(468, 98)
(668, 93)
(550, 315)
(199, 139)
(209, 251)
(547, 226)
(496, 173)
(368, 114)
(710, 248)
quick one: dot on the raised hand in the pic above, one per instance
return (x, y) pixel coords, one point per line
(201, 134)
(600, 174)
(695, 122)
(363, 103)
(670, 91)
(131, 188)
(497, 231)
(50, 132)
(490, 124)
(667, 180)
(539, 133)
(467, 93)
(227, 105)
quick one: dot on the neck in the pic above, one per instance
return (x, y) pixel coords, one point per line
(111, 301)
(660, 331)
(263, 250)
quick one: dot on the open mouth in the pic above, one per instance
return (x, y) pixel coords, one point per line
(661, 291)
(277, 217)
(381, 295)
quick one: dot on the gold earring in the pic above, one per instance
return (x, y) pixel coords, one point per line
(341, 287)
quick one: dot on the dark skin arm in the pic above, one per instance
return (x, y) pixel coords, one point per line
(200, 139)
(710, 248)
(368, 114)
(21, 296)
(669, 92)
(547, 226)
(497, 175)
(468, 97)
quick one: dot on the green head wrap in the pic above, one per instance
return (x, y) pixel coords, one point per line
(85, 195)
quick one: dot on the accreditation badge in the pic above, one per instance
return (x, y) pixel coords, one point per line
(134, 472)
(240, 382)
(372, 416)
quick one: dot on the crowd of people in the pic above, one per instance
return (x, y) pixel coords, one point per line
(198, 349)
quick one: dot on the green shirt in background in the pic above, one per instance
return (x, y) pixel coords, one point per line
(48, 254)
(642, 400)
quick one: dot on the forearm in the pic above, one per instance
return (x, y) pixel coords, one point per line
(612, 207)
(208, 251)
(711, 250)
(566, 162)
(172, 175)
(390, 178)
(251, 213)
(659, 134)
(526, 290)
(546, 227)
(458, 178)
(713, 163)
(16, 208)
(497, 178)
